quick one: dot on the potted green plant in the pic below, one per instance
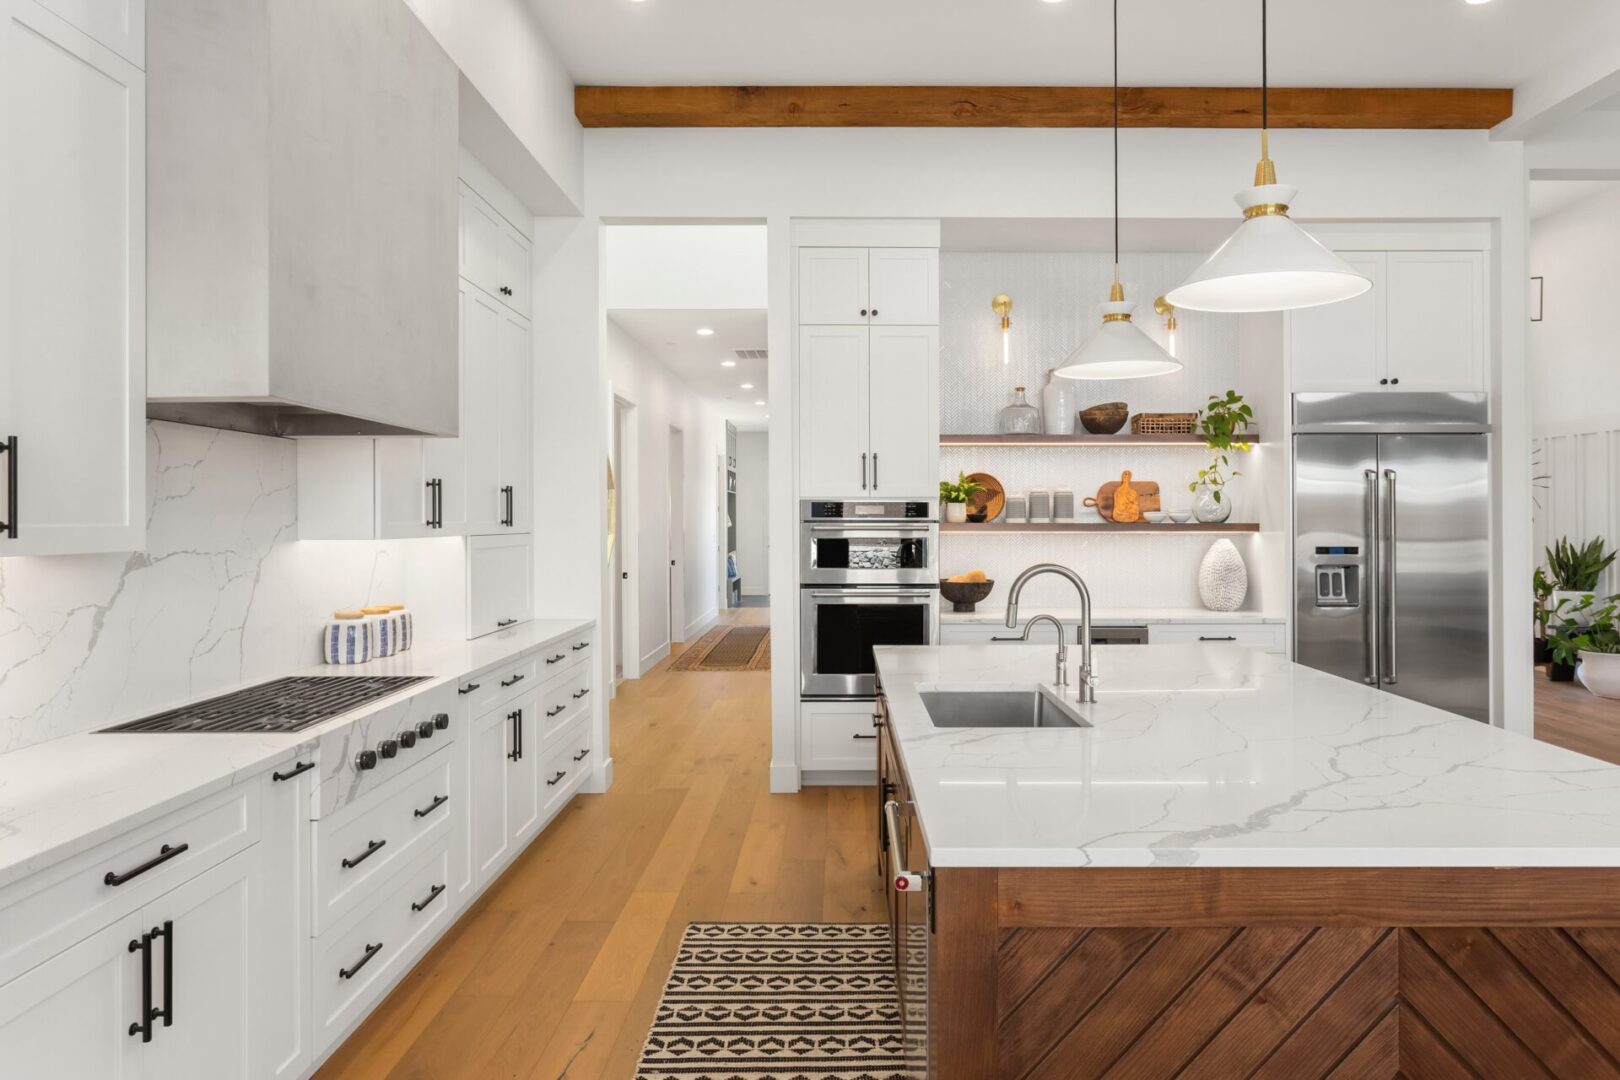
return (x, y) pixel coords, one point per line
(1597, 650)
(1223, 423)
(1576, 571)
(1543, 609)
(954, 496)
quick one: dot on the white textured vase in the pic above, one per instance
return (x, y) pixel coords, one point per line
(1058, 400)
(1223, 580)
(1600, 673)
(956, 512)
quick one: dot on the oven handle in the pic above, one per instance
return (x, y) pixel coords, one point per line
(857, 594)
(873, 528)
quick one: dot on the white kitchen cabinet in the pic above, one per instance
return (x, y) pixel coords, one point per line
(73, 357)
(499, 583)
(834, 433)
(505, 771)
(1420, 328)
(903, 404)
(523, 784)
(837, 736)
(516, 270)
(281, 924)
(69, 1017)
(868, 286)
(495, 255)
(514, 462)
(868, 411)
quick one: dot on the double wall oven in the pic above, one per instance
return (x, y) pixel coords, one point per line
(868, 576)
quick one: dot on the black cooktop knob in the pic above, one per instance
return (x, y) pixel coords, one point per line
(388, 748)
(407, 738)
(425, 729)
(365, 759)
(441, 720)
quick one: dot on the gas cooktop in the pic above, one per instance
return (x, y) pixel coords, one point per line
(282, 705)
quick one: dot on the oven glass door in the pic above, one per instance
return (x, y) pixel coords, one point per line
(842, 626)
(846, 555)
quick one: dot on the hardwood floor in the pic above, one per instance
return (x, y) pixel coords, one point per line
(1572, 717)
(556, 971)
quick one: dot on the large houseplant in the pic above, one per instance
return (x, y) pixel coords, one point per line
(1593, 647)
(1223, 423)
(1576, 572)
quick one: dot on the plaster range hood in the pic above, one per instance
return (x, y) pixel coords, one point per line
(302, 218)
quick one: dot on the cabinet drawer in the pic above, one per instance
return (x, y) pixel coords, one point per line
(563, 701)
(566, 765)
(360, 847)
(407, 913)
(492, 686)
(1268, 637)
(45, 913)
(564, 655)
(837, 735)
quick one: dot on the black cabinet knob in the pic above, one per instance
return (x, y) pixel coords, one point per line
(1394, 382)
(407, 738)
(874, 313)
(388, 748)
(863, 313)
(441, 720)
(1383, 382)
(365, 759)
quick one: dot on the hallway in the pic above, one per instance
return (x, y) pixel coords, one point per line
(558, 968)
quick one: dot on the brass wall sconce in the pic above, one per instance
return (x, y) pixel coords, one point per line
(1168, 310)
(1002, 306)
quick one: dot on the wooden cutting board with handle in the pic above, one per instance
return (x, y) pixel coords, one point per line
(1147, 494)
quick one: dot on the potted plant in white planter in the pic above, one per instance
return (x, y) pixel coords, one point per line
(953, 497)
(1575, 573)
(1597, 651)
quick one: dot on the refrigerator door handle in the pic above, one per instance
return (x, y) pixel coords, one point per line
(1371, 598)
(1391, 673)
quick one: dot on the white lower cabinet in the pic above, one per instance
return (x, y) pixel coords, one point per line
(281, 923)
(837, 736)
(1267, 637)
(490, 770)
(69, 1017)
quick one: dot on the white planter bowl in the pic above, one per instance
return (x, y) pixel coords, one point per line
(956, 512)
(1600, 673)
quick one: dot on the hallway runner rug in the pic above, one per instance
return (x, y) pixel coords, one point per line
(778, 1001)
(728, 648)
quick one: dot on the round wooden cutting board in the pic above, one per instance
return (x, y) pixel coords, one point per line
(992, 500)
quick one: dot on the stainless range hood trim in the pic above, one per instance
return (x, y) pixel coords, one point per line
(282, 420)
(1384, 412)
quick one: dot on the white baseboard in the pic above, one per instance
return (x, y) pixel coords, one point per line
(784, 779)
(701, 623)
(653, 659)
(838, 777)
(600, 780)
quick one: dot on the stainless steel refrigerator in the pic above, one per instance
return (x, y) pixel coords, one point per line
(1392, 544)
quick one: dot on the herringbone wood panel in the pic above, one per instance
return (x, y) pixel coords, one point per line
(1344, 1003)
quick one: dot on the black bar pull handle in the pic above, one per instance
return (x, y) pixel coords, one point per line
(166, 932)
(582, 693)
(583, 754)
(351, 972)
(553, 781)
(858, 735)
(371, 849)
(514, 680)
(421, 905)
(438, 801)
(9, 448)
(517, 721)
(1214, 637)
(582, 645)
(165, 853)
(143, 1026)
(469, 688)
(555, 712)
(297, 770)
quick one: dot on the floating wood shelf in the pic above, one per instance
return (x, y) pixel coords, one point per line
(1159, 528)
(1080, 441)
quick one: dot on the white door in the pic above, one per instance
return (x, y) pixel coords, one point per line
(499, 570)
(73, 227)
(905, 286)
(1340, 346)
(280, 941)
(1436, 320)
(406, 503)
(482, 409)
(833, 433)
(491, 774)
(833, 287)
(523, 775)
(515, 507)
(69, 1017)
(209, 924)
(677, 535)
(480, 241)
(903, 402)
(515, 270)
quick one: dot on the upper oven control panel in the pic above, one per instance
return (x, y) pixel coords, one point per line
(868, 511)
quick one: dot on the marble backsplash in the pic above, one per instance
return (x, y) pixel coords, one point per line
(223, 594)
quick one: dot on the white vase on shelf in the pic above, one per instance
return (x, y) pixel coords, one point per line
(1058, 400)
(1223, 579)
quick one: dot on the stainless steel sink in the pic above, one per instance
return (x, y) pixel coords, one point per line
(997, 709)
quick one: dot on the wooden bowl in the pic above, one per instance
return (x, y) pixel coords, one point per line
(963, 595)
(1105, 419)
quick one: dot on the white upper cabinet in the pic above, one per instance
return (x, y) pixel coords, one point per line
(905, 286)
(903, 397)
(514, 488)
(483, 338)
(1421, 327)
(495, 255)
(73, 309)
(516, 270)
(833, 287)
(120, 25)
(834, 436)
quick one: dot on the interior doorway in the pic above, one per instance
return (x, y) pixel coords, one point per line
(676, 578)
(626, 629)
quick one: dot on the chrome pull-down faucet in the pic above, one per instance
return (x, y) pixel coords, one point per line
(1088, 677)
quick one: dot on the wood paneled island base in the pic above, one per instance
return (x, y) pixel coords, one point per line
(1353, 974)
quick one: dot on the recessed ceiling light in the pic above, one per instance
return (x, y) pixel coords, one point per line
(728, 363)
(759, 403)
(1476, 3)
(704, 331)
(747, 386)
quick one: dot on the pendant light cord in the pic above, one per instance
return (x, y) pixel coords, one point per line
(1116, 141)
(1265, 74)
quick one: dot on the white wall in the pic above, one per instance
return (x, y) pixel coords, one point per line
(709, 267)
(753, 511)
(222, 595)
(1575, 349)
(663, 401)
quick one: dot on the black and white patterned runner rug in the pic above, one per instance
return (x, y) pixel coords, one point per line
(778, 1001)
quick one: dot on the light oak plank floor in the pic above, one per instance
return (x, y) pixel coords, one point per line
(557, 969)
(1575, 718)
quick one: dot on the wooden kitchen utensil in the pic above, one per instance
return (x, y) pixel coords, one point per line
(1127, 507)
(1147, 498)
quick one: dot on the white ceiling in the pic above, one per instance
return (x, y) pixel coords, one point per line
(672, 337)
(1028, 42)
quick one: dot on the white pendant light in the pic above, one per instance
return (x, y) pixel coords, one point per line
(1119, 349)
(1269, 263)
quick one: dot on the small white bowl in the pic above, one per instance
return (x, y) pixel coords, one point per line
(1153, 516)
(1181, 516)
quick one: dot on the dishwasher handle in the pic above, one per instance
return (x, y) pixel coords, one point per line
(904, 880)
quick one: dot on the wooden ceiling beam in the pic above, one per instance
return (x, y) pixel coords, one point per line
(1036, 106)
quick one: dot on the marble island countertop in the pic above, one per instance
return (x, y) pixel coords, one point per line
(1222, 756)
(996, 615)
(63, 796)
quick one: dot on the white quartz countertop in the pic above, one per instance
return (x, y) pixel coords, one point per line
(1222, 756)
(64, 796)
(997, 615)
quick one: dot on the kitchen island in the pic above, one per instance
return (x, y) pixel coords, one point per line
(1239, 867)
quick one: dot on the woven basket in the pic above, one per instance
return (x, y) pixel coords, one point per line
(1163, 423)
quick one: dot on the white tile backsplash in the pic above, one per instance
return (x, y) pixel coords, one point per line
(223, 594)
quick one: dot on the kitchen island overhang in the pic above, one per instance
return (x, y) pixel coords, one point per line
(1320, 879)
